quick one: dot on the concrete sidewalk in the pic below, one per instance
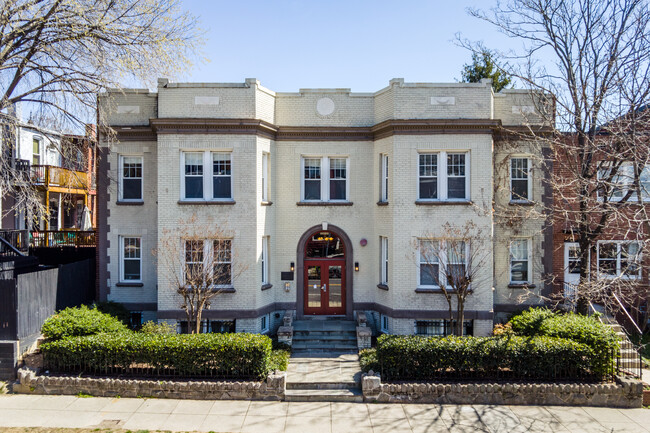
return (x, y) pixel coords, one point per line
(269, 417)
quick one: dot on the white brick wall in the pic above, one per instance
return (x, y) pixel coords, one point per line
(284, 222)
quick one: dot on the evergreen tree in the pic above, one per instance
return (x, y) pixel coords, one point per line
(484, 66)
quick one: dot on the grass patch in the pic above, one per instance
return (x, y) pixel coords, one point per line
(368, 360)
(84, 395)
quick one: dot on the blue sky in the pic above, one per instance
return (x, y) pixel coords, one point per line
(293, 44)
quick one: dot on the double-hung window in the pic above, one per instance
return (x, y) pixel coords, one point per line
(619, 259)
(441, 261)
(520, 184)
(520, 261)
(36, 151)
(130, 186)
(265, 260)
(325, 179)
(383, 197)
(443, 176)
(131, 264)
(384, 260)
(206, 176)
(614, 183)
(265, 177)
(208, 262)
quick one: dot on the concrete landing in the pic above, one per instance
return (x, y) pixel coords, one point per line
(324, 377)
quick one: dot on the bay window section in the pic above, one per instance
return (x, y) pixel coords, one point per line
(443, 176)
(325, 179)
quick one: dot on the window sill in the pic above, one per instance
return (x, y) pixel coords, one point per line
(436, 290)
(443, 202)
(266, 286)
(521, 203)
(266, 203)
(230, 289)
(129, 203)
(324, 203)
(521, 286)
(382, 286)
(121, 284)
(207, 202)
(382, 203)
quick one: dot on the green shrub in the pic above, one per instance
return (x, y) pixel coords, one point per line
(79, 321)
(220, 355)
(582, 329)
(158, 328)
(279, 359)
(368, 360)
(416, 357)
(115, 309)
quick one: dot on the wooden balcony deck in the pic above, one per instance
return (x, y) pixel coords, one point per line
(59, 179)
(22, 240)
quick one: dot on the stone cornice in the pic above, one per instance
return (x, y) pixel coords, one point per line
(308, 133)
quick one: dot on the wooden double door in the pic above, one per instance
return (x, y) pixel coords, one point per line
(324, 287)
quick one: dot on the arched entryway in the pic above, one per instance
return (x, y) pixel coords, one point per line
(324, 273)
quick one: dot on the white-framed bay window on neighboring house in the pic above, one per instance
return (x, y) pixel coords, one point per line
(211, 258)
(325, 179)
(130, 259)
(622, 180)
(265, 177)
(383, 195)
(443, 176)
(520, 180)
(439, 260)
(520, 262)
(206, 176)
(130, 178)
(383, 277)
(619, 259)
(264, 260)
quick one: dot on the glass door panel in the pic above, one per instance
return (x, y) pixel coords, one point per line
(314, 286)
(334, 287)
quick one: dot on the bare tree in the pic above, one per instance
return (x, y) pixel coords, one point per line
(456, 263)
(598, 80)
(57, 55)
(198, 260)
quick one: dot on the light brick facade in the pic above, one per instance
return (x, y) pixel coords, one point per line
(246, 120)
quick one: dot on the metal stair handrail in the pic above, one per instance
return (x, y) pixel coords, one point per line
(8, 245)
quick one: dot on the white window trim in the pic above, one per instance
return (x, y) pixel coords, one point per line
(121, 256)
(626, 169)
(265, 329)
(208, 250)
(324, 178)
(619, 274)
(442, 176)
(529, 180)
(384, 179)
(384, 260)
(264, 260)
(265, 176)
(121, 179)
(208, 174)
(383, 323)
(40, 150)
(443, 262)
(529, 247)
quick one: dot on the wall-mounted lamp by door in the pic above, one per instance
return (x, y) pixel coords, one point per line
(356, 266)
(292, 266)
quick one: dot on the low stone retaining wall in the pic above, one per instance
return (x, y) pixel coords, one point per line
(624, 393)
(272, 389)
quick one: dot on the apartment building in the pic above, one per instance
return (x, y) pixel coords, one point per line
(330, 199)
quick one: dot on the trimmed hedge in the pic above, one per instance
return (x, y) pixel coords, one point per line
(223, 355)
(80, 321)
(583, 329)
(545, 358)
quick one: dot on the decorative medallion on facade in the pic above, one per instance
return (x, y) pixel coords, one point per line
(325, 107)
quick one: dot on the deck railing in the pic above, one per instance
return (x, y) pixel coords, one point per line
(52, 176)
(62, 238)
(18, 239)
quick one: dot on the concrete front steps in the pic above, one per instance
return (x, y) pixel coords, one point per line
(629, 359)
(324, 336)
(322, 391)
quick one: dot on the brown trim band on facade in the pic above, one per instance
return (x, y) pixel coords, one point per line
(324, 203)
(261, 128)
(229, 314)
(421, 314)
(140, 306)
